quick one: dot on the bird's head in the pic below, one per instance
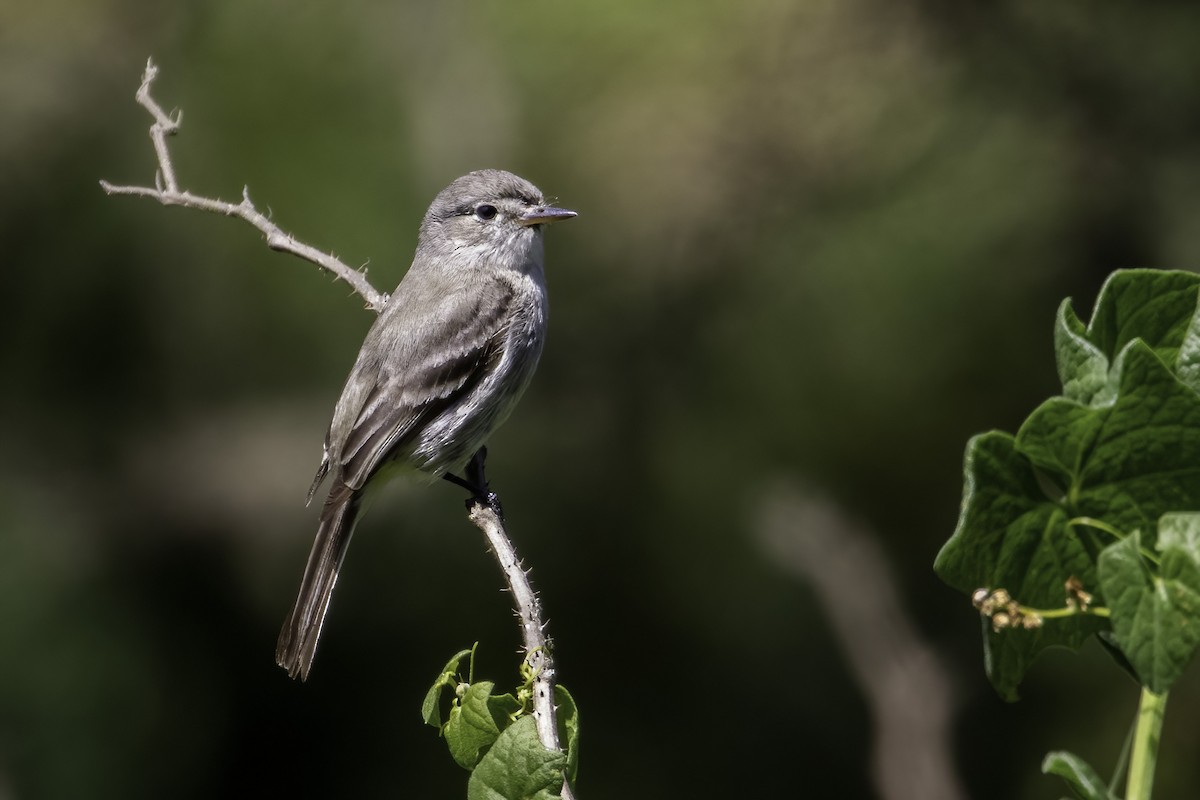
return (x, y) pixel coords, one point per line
(488, 214)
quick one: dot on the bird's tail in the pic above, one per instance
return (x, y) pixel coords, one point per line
(298, 640)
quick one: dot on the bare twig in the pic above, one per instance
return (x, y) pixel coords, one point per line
(166, 191)
(538, 656)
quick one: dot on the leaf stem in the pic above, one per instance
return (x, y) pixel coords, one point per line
(1066, 611)
(1098, 524)
(1151, 708)
(1101, 525)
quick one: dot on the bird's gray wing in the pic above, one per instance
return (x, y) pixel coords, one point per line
(426, 367)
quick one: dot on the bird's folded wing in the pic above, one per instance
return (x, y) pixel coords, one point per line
(421, 378)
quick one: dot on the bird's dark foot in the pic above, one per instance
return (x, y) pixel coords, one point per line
(492, 500)
(476, 483)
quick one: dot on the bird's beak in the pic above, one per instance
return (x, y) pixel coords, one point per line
(540, 215)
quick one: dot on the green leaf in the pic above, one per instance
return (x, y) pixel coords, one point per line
(1012, 535)
(1082, 366)
(1155, 617)
(518, 767)
(1187, 366)
(1145, 459)
(1157, 306)
(1180, 530)
(1126, 463)
(1057, 438)
(568, 728)
(431, 710)
(1109, 644)
(476, 721)
(1084, 782)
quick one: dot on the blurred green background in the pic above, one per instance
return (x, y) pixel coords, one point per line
(819, 245)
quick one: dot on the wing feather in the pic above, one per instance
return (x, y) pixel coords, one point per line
(399, 385)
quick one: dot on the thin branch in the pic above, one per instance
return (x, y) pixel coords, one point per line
(166, 191)
(538, 655)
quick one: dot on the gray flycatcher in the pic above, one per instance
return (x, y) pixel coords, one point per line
(442, 366)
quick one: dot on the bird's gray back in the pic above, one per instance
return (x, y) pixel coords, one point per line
(441, 367)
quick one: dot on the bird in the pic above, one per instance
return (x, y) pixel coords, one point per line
(441, 367)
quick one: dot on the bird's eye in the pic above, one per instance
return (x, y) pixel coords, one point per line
(485, 212)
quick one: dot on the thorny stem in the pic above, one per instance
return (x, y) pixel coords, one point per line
(166, 191)
(484, 515)
(484, 511)
(533, 628)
